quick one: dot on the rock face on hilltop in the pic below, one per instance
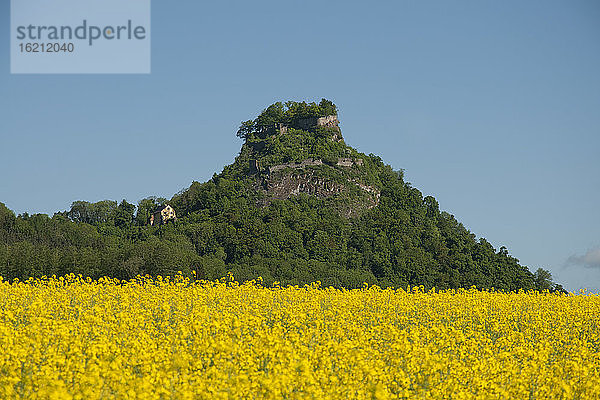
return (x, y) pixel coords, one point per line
(292, 183)
(283, 183)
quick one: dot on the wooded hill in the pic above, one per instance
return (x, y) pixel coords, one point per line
(298, 205)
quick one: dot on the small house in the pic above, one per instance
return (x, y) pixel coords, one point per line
(162, 215)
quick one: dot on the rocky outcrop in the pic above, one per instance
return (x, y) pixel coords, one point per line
(293, 184)
(349, 162)
(330, 121)
(342, 162)
(287, 180)
(294, 165)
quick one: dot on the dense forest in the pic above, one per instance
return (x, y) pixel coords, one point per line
(342, 217)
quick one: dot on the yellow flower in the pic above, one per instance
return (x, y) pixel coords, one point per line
(75, 338)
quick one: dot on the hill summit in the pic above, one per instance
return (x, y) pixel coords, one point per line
(297, 205)
(298, 148)
(300, 204)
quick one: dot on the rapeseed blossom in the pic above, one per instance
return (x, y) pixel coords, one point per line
(75, 338)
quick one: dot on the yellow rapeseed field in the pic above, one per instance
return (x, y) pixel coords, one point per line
(176, 339)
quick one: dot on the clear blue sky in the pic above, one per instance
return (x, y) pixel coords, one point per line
(492, 107)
